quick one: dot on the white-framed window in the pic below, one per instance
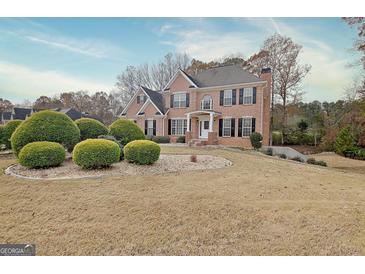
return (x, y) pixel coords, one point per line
(227, 127)
(142, 99)
(248, 96)
(150, 127)
(178, 126)
(206, 103)
(246, 126)
(227, 99)
(179, 100)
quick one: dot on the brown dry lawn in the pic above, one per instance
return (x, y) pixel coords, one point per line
(261, 205)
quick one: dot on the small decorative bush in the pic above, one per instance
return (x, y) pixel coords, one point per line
(126, 131)
(8, 130)
(193, 158)
(298, 159)
(180, 139)
(277, 137)
(282, 156)
(161, 139)
(269, 151)
(256, 139)
(96, 153)
(46, 125)
(112, 138)
(90, 128)
(313, 161)
(142, 152)
(345, 141)
(42, 154)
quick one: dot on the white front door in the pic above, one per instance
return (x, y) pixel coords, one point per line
(203, 127)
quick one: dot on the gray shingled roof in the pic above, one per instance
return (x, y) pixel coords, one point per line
(156, 97)
(222, 76)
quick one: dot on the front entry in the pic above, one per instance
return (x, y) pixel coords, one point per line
(203, 127)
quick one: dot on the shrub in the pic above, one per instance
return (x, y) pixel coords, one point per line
(180, 139)
(8, 130)
(276, 137)
(269, 151)
(42, 154)
(112, 138)
(345, 141)
(298, 159)
(313, 161)
(142, 152)
(302, 125)
(90, 128)
(96, 153)
(46, 126)
(282, 156)
(256, 139)
(126, 131)
(193, 158)
(1, 133)
(161, 139)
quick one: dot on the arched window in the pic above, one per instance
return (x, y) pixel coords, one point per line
(206, 103)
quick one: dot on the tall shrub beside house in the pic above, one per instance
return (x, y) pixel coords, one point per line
(90, 128)
(126, 131)
(256, 139)
(345, 141)
(8, 130)
(46, 126)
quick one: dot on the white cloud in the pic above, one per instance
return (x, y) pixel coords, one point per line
(23, 82)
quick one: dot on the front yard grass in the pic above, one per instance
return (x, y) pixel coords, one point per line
(261, 205)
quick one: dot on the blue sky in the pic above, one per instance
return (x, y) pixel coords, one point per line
(45, 56)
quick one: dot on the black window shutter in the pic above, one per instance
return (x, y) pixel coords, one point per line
(221, 97)
(138, 99)
(254, 96)
(154, 127)
(220, 127)
(190, 125)
(253, 124)
(145, 126)
(241, 96)
(169, 127)
(187, 100)
(233, 127)
(233, 96)
(239, 133)
(172, 101)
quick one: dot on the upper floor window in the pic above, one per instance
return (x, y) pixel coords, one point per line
(248, 96)
(206, 103)
(227, 99)
(179, 100)
(141, 99)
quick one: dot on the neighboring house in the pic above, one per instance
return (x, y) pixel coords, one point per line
(23, 113)
(222, 105)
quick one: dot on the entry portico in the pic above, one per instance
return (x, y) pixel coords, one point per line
(203, 121)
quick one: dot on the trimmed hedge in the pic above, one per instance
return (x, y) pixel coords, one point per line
(1, 134)
(180, 139)
(96, 153)
(126, 131)
(112, 138)
(42, 154)
(46, 125)
(90, 128)
(142, 152)
(256, 139)
(8, 130)
(313, 161)
(158, 139)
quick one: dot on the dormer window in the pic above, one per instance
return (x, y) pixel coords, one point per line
(141, 99)
(206, 103)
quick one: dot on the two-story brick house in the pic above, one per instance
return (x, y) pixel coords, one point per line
(222, 105)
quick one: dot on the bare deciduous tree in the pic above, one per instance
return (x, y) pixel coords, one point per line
(5, 105)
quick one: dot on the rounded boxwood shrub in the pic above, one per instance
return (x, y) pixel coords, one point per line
(46, 126)
(256, 139)
(42, 154)
(90, 128)
(96, 153)
(180, 139)
(142, 152)
(112, 138)
(126, 131)
(8, 130)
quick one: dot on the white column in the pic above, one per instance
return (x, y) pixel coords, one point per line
(211, 120)
(188, 122)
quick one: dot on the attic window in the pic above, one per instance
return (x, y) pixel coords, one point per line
(141, 113)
